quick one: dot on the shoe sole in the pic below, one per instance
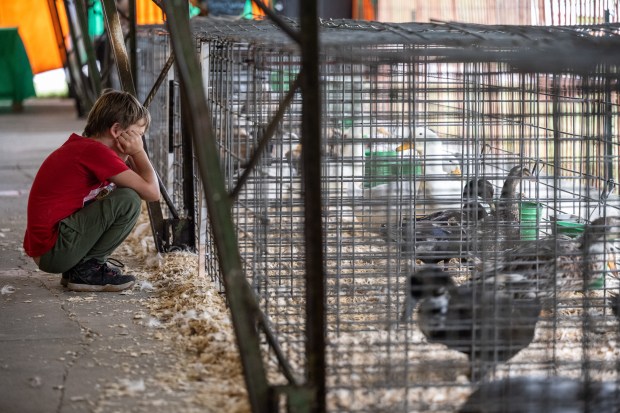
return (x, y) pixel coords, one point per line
(112, 288)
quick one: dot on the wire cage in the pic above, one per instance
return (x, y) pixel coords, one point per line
(469, 207)
(169, 152)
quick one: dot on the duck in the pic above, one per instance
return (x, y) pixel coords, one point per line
(428, 235)
(486, 325)
(440, 183)
(602, 242)
(475, 192)
(543, 395)
(500, 230)
(480, 234)
(553, 265)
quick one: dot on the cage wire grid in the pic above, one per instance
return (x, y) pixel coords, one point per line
(410, 115)
(164, 139)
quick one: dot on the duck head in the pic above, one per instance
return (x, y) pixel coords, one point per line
(419, 139)
(475, 211)
(430, 284)
(519, 172)
(479, 188)
(515, 176)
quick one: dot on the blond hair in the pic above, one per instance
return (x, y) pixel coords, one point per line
(115, 106)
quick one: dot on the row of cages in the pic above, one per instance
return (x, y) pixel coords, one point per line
(469, 218)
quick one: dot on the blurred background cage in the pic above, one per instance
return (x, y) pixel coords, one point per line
(411, 114)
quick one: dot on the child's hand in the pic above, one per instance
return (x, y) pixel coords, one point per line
(129, 142)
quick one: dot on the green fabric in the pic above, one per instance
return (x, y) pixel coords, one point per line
(247, 10)
(94, 231)
(96, 24)
(15, 71)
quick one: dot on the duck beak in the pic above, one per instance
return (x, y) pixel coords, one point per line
(611, 265)
(405, 147)
(456, 171)
(527, 174)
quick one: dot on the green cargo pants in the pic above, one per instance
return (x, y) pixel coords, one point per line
(94, 231)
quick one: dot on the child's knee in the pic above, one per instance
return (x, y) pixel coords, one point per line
(129, 198)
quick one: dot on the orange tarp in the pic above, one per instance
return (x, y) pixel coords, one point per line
(34, 23)
(148, 12)
(257, 12)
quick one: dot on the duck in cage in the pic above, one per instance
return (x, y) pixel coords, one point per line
(464, 232)
(492, 315)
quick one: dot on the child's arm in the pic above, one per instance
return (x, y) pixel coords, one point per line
(142, 178)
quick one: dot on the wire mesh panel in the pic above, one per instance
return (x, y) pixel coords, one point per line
(470, 207)
(546, 13)
(153, 50)
(170, 153)
(244, 85)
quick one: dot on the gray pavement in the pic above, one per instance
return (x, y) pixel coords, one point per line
(62, 351)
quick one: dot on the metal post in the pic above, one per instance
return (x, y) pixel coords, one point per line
(133, 58)
(117, 40)
(93, 72)
(243, 306)
(311, 159)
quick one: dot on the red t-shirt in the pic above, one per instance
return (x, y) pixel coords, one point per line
(69, 176)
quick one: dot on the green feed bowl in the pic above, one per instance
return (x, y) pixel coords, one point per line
(570, 228)
(383, 167)
(529, 215)
(567, 224)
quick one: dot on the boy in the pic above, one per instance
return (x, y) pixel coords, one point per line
(85, 200)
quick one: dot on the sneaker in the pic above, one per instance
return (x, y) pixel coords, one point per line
(92, 276)
(116, 267)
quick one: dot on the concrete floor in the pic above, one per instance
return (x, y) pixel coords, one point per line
(62, 351)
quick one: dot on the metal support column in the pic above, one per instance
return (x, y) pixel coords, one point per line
(243, 306)
(313, 203)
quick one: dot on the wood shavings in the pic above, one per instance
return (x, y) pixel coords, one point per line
(153, 323)
(132, 386)
(7, 289)
(189, 313)
(154, 261)
(81, 298)
(146, 286)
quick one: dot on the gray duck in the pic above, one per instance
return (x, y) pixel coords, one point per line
(488, 326)
(543, 395)
(474, 238)
(431, 236)
(500, 230)
(551, 265)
